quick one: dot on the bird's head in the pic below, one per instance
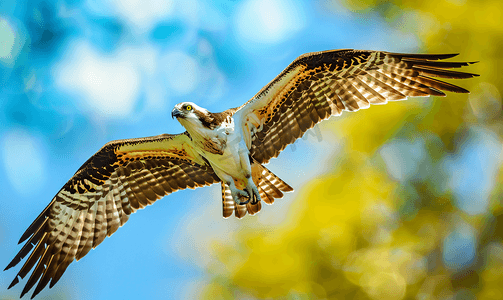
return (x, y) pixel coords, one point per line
(185, 110)
(190, 115)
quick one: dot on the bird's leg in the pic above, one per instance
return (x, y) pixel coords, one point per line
(236, 193)
(252, 190)
(239, 196)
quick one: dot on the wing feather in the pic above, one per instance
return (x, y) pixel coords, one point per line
(47, 276)
(318, 85)
(35, 275)
(87, 234)
(371, 94)
(121, 178)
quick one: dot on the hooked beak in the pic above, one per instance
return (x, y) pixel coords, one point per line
(176, 113)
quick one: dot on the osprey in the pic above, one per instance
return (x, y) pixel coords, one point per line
(229, 148)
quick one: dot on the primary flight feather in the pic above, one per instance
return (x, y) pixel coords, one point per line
(229, 148)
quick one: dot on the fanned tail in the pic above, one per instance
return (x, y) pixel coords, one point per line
(229, 206)
(269, 185)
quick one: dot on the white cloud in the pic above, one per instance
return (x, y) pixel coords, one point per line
(143, 14)
(268, 21)
(24, 162)
(107, 85)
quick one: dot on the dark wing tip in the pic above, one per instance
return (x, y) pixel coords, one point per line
(441, 56)
(25, 235)
(35, 225)
(463, 91)
(423, 56)
(53, 282)
(38, 289)
(11, 264)
(14, 282)
(25, 290)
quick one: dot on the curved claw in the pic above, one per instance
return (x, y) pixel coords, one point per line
(253, 194)
(241, 194)
(244, 202)
(250, 193)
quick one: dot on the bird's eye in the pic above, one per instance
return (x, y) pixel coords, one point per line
(188, 107)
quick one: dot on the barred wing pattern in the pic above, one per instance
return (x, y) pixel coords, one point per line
(122, 177)
(319, 85)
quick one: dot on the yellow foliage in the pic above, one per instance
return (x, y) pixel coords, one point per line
(366, 130)
(355, 233)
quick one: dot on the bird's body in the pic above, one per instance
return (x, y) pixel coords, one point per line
(229, 148)
(218, 140)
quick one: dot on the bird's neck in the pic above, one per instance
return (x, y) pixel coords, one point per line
(196, 130)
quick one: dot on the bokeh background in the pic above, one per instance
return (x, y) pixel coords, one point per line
(402, 201)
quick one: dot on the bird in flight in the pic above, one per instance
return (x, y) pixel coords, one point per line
(229, 148)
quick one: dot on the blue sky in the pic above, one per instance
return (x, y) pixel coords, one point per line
(77, 74)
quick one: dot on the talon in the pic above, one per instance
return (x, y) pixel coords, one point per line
(254, 194)
(249, 194)
(242, 194)
(244, 202)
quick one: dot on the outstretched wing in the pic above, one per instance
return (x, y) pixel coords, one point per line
(318, 85)
(119, 179)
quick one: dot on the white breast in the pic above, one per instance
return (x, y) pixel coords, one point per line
(229, 161)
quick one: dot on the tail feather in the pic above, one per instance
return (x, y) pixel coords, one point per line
(227, 201)
(276, 182)
(265, 196)
(270, 189)
(253, 208)
(269, 185)
(240, 210)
